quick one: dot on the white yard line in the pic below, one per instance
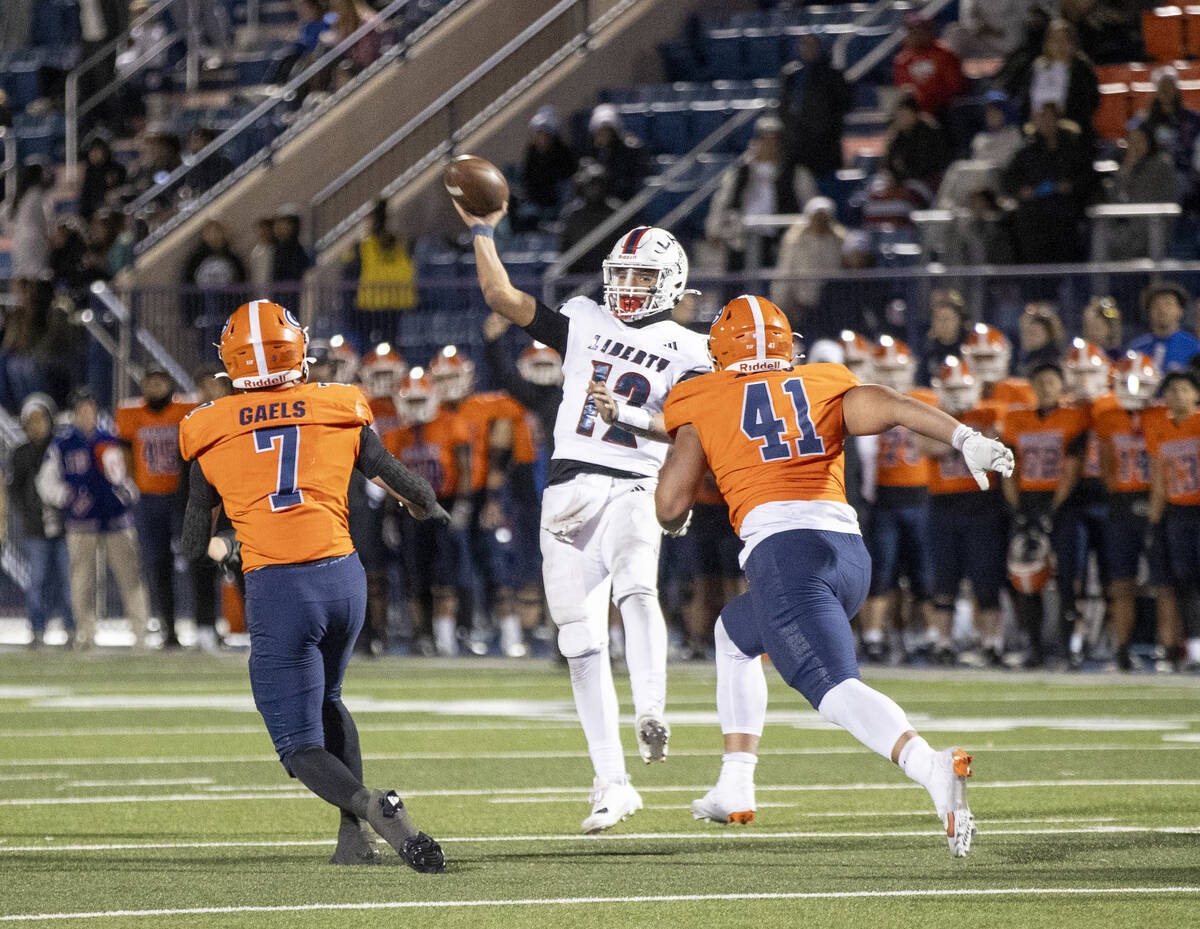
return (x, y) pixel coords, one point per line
(592, 901)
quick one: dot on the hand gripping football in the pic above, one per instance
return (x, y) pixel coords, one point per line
(476, 184)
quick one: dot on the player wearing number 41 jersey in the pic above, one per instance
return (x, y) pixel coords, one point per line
(773, 435)
(279, 454)
(599, 538)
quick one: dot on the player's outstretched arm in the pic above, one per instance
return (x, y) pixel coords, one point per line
(871, 409)
(202, 502)
(498, 290)
(636, 419)
(680, 479)
(379, 466)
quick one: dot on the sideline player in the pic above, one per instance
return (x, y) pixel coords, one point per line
(773, 436)
(599, 538)
(279, 455)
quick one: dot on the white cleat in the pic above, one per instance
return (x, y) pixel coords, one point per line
(611, 803)
(951, 768)
(653, 733)
(720, 806)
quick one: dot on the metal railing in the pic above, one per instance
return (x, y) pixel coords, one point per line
(12, 559)
(76, 109)
(9, 165)
(285, 97)
(564, 29)
(859, 69)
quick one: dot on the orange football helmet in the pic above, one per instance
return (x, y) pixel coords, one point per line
(988, 352)
(382, 371)
(1135, 381)
(345, 360)
(858, 354)
(750, 334)
(1085, 370)
(893, 364)
(540, 364)
(263, 345)
(453, 376)
(416, 400)
(957, 388)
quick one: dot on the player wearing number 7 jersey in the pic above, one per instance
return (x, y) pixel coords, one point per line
(599, 538)
(279, 455)
(773, 436)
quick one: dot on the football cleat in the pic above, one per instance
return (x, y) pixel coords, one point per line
(722, 806)
(948, 788)
(611, 803)
(388, 817)
(354, 846)
(653, 733)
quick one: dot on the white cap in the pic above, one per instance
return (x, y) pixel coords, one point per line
(605, 115)
(820, 205)
(826, 350)
(544, 120)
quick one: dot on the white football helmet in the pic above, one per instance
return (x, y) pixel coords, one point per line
(1135, 381)
(988, 352)
(540, 364)
(1086, 370)
(893, 364)
(644, 249)
(382, 371)
(416, 401)
(452, 374)
(956, 387)
(858, 355)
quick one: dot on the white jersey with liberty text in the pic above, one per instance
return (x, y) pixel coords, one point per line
(640, 365)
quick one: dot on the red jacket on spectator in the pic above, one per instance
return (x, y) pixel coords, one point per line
(934, 74)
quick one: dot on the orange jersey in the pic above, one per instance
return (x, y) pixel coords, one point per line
(898, 462)
(948, 472)
(1043, 443)
(1013, 392)
(1124, 434)
(281, 461)
(770, 436)
(479, 411)
(384, 411)
(154, 440)
(1177, 447)
(429, 450)
(1095, 408)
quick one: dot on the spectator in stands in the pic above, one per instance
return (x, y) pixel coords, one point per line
(28, 221)
(161, 153)
(84, 474)
(1163, 306)
(813, 101)
(103, 175)
(750, 188)
(1063, 75)
(987, 232)
(1052, 179)
(40, 527)
(100, 21)
(1146, 175)
(617, 153)
(290, 259)
(890, 202)
(592, 204)
(314, 22)
(991, 149)
(1174, 128)
(212, 169)
(1109, 30)
(1013, 76)
(948, 322)
(67, 249)
(546, 171)
(1102, 326)
(1042, 338)
(989, 28)
(211, 273)
(349, 16)
(262, 255)
(916, 150)
(927, 69)
(109, 249)
(812, 246)
(387, 282)
(6, 114)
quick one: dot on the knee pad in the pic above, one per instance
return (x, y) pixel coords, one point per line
(576, 639)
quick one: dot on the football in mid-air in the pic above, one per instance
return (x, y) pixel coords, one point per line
(476, 184)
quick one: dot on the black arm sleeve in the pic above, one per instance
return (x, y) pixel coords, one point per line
(549, 327)
(197, 518)
(376, 461)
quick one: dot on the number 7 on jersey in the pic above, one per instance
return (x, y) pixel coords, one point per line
(286, 494)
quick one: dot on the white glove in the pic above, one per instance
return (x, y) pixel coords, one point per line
(682, 530)
(983, 455)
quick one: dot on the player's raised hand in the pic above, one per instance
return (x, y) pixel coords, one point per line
(494, 327)
(983, 455)
(490, 219)
(606, 404)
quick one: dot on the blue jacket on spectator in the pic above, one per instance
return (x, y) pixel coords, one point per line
(1170, 353)
(86, 476)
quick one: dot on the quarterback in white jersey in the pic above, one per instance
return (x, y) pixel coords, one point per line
(599, 535)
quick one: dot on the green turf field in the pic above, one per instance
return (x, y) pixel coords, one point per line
(142, 791)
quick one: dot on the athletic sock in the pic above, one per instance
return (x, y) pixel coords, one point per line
(341, 741)
(871, 717)
(645, 652)
(445, 635)
(737, 772)
(916, 760)
(741, 687)
(329, 779)
(1193, 650)
(599, 714)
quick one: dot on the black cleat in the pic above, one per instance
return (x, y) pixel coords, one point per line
(423, 854)
(388, 817)
(354, 846)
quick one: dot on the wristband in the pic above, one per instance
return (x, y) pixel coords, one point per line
(634, 417)
(961, 434)
(483, 229)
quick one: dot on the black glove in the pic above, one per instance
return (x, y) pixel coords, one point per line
(438, 512)
(232, 562)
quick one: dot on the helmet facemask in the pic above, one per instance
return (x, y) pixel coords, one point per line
(631, 295)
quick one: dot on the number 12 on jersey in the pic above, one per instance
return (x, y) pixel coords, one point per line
(286, 494)
(761, 424)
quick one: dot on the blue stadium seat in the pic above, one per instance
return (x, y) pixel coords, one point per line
(723, 50)
(862, 43)
(23, 82)
(636, 119)
(708, 117)
(764, 52)
(670, 127)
